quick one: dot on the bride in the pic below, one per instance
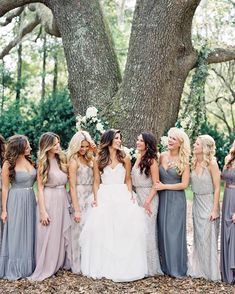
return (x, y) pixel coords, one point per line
(113, 242)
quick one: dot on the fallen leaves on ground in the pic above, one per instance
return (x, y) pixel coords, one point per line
(68, 283)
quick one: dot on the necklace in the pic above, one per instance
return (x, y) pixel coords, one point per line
(171, 162)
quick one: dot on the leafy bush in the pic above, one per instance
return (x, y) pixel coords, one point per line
(54, 114)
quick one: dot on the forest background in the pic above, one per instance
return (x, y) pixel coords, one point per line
(34, 93)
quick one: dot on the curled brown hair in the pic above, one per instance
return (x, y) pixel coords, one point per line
(231, 156)
(2, 149)
(103, 154)
(46, 143)
(150, 154)
(16, 146)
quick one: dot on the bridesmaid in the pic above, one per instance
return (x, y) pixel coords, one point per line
(80, 158)
(17, 259)
(53, 250)
(2, 152)
(145, 174)
(227, 262)
(205, 179)
(174, 178)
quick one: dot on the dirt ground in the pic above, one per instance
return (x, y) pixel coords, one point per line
(68, 283)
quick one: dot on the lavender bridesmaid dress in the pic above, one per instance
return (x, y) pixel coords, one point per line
(53, 244)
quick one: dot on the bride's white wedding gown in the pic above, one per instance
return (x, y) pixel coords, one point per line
(113, 239)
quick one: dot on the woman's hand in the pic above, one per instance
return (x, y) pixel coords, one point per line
(44, 218)
(147, 208)
(233, 218)
(159, 186)
(77, 216)
(4, 217)
(213, 215)
(94, 203)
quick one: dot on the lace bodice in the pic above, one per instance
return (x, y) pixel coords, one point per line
(228, 176)
(140, 180)
(84, 175)
(202, 184)
(113, 176)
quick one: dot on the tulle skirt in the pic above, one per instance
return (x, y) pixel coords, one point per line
(113, 239)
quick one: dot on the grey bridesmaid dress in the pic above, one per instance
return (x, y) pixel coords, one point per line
(172, 226)
(227, 262)
(204, 261)
(17, 259)
(1, 224)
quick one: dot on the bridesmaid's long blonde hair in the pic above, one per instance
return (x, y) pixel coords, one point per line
(46, 143)
(184, 150)
(75, 145)
(208, 150)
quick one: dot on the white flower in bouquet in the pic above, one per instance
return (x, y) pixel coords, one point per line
(91, 112)
(78, 122)
(164, 141)
(83, 120)
(100, 127)
(126, 150)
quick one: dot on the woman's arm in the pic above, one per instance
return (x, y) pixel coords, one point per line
(44, 217)
(128, 180)
(154, 171)
(215, 174)
(73, 166)
(179, 186)
(5, 190)
(96, 182)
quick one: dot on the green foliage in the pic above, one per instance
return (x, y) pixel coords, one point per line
(54, 114)
(194, 109)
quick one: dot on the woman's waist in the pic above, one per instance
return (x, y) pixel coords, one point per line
(84, 184)
(112, 184)
(55, 186)
(230, 185)
(199, 192)
(26, 187)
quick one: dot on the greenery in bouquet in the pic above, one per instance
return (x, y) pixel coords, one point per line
(92, 123)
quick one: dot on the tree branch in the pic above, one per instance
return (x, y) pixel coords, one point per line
(221, 118)
(225, 82)
(8, 5)
(221, 55)
(25, 30)
(10, 17)
(46, 17)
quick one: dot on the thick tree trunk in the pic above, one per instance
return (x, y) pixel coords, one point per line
(19, 68)
(55, 73)
(92, 64)
(3, 87)
(44, 59)
(19, 73)
(157, 68)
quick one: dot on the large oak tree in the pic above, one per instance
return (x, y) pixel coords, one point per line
(159, 59)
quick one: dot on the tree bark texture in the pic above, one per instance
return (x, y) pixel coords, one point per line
(159, 59)
(44, 59)
(92, 64)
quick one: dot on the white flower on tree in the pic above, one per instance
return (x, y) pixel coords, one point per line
(91, 112)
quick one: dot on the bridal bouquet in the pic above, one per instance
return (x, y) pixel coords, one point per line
(92, 123)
